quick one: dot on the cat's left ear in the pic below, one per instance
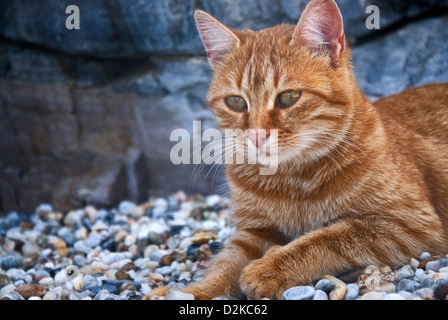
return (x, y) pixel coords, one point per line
(321, 29)
(217, 38)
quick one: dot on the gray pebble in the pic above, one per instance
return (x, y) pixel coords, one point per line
(325, 285)
(405, 272)
(109, 288)
(80, 261)
(119, 283)
(320, 295)
(443, 263)
(427, 283)
(93, 240)
(11, 260)
(433, 265)
(156, 256)
(89, 282)
(352, 292)
(165, 271)
(12, 295)
(424, 256)
(407, 285)
(80, 246)
(420, 273)
(299, 293)
(19, 282)
(394, 296)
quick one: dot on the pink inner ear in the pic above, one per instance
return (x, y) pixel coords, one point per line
(321, 28)
(217, 38)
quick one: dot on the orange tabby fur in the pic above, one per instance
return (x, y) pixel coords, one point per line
(358, 183)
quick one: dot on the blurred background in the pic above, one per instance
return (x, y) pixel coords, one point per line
(86, 115)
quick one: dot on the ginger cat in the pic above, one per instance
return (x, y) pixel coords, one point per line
(358, 183)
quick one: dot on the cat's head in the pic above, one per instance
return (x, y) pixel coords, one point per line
(295, 79)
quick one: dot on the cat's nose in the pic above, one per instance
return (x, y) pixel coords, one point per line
(258, 137)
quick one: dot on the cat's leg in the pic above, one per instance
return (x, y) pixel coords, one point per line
(222, 277)
(347, 244)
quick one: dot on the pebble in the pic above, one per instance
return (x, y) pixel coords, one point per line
(4, 280)
(405, 272)
(320, 295)
(107, 287)
(428, 283)
(203, 237)
(406, 295)
(433, 265)
(11, 260)
(299, 293)
(352, 292)
(325, 285)
(414, 263)
(424, 256)
(393, 296)
(408, 285)
(372, 296)
(338, 293)
(425, 294)
(441, 291)
(123, 253)
(30, 290)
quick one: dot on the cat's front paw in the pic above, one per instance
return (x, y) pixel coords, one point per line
(266, 277)
(160, 292)
(200, 292)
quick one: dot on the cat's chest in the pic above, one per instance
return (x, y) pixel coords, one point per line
(292, 216)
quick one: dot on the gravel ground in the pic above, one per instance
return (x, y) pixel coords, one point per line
(123, 253)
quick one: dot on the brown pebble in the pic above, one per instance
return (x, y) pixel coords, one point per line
(27, 225)
(4, 280)
(30, 290)
(122, 273)
(338, 293)
(61, 247)
(203, 237)
(167, 259)
(128, 286)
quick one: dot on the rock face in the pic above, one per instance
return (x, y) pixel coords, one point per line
(86, 115)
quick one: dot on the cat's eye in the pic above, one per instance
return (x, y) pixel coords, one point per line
(288, 98)
(236, 103)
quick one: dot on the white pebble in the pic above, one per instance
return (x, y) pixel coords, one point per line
(129, 240)
(7, 288)
(405, 294)
(415, 263)
(424, 256)
(145, 288)
(394, 296)
(46, 281)
(372, 296)
(213, 200)
(444, 270)
(34, 298)
(320, 295)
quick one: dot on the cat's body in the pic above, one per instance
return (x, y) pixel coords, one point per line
(357, 183)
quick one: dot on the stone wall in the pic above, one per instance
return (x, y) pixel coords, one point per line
(86, 115)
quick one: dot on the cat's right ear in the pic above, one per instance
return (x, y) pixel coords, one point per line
(217, 38)
(321, 29)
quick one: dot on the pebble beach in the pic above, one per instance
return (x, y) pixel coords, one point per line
(125, 252)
